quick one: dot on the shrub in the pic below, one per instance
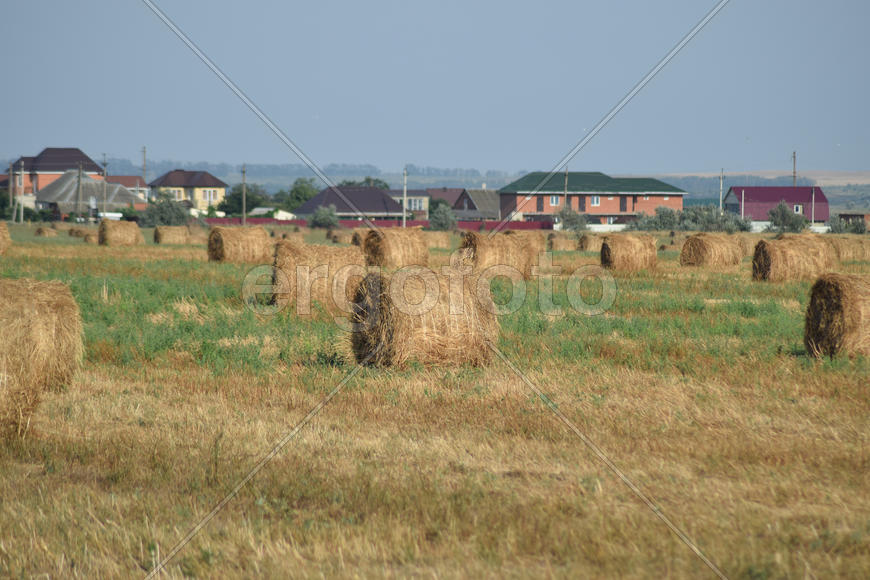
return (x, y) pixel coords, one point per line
(783, 219)
(164, 212)
(704, 218)
(571, 220)
(324, 217)
(442, 218)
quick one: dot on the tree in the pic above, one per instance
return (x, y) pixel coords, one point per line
(442, 218)
(435, 202)
(840, 226)
(783, 219)
(368, 181)
(324, 217)
(254, 197)
(302, 190)
(164, 212)
(571, 220)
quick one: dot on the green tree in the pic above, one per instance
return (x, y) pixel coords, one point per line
(442, 218)
(783, 219)
(324, 217)
(571, 220)
(840, 226)
(368, 181)
(302, 190)
(435, 202)
(254, 197)
(164, 212)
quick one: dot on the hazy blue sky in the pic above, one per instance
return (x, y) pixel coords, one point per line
(486, 85)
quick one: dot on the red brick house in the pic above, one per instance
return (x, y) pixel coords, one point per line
(601, 198)
(755, 202)
(30, 174)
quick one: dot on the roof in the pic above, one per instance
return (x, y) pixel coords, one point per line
(184, 178)
(4, 180)
(587, 181)
(368, 200)
(57, 160)
(394, 193)
(486, 205)
(64, 192)
(448, 194)
(128, 181)
(774, 195)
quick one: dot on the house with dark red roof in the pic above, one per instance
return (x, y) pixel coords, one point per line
(353, 203)
(198, 189)
(134, 183)
(448, 194)
(30, 174)
(756, 202)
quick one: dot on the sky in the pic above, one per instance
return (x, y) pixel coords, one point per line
(474, 84)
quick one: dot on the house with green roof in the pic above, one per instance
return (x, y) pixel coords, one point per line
(601, 198)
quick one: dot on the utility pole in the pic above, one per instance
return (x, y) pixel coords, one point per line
(794, 168)
(721, 183)
(105, 177)
(144, 160)
(79, 194)
(11, 184)
(404, 195)
(244, 193)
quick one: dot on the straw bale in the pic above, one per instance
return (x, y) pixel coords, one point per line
(60, 226)
(240, 245)
(395, 247)
(91, 238)
(5, 240)
(838, 316)
(535, 240)
(483, 251)
(706, 249)
(628, 253)
(120, 233)
(342, 237)
(408, 316)
(75, 232)
(171, 235)
(43, 232)
(590, 243)
(295, 237)
(792, 257)
(850, 248)
(439, 240)
(562, 242)
(40, 347)
(330, 281)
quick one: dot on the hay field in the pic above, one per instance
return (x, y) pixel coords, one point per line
(695, 383)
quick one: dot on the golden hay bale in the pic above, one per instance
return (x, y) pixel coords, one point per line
(43, 232)
(534, 240)
(91, 238)
(747, 242)
(358, 237)
(395, 247)
(75, 232)
(590, 243)
(328, 279)
(5, 240)
(240, 245)
(437, 240)
(797, 257)
(120, 233)
(483, 251)
(295, 237)
(838, 316)
(711, 250)
(171, 235)
(342, 237)
(60, 226)
(563, 242)
(40, 346)
(198, 235)
(412, 315)
(849, 248)
(628, 253)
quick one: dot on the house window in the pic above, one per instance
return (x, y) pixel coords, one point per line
(179, 194)
(610, 197)
(646, 198)
(666, 198)
(20, 180)
(209, 195)
(416, 204)
(799, 209)
(594, 201)
(554, 200)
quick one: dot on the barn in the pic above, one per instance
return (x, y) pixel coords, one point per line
(755, 202)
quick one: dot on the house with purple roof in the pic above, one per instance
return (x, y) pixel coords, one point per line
(755, 202)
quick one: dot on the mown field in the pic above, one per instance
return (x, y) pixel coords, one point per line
(695, 383)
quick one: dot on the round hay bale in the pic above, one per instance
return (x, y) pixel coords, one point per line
(796, 257)
(850, 248)
(838, 316)
(711, 250)
(483, 251)
(120, 233)
(43, 232)
(329, 282)
(5, 240)
(409, 316)
(295, 237)
(40, 346)
(178, 235)
(91, 238)
(342, 237)
(534, 240)
(75, 232)
(590, 243)
(358, 237)
(240, 245)
(563, 242)
(395, 247)
(198, 235)
(60, 226)
(628, 253)
(439, 240)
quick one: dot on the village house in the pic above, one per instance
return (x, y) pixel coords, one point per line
(30, 174)
(756, 202)
(477, 205)
(353, 203)
(418, 202)
(196, 189)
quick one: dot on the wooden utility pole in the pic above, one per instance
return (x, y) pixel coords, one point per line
(721, 183)
(79, 194)
(144, 161)
(794, 168)
(244, 193)
(404, 195)
(11, 184)
(105, 177)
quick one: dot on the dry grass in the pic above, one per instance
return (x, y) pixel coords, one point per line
(5, 239)
(43, 232)
(838, 316)
(440, 240)
(321, 273)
